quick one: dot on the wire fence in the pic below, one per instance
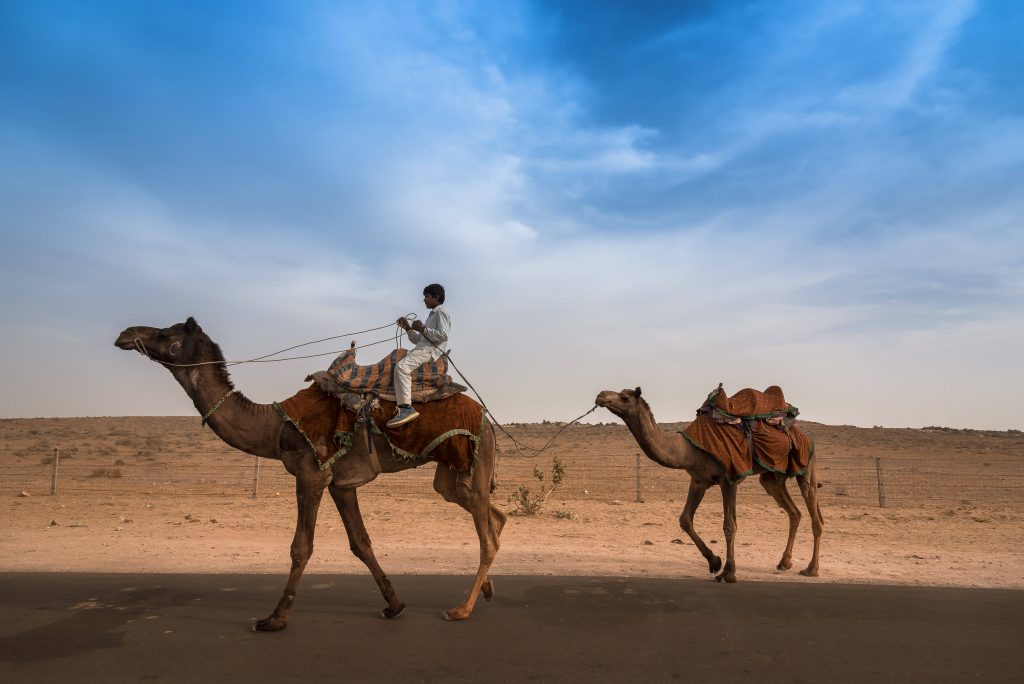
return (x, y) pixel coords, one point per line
(862, 480)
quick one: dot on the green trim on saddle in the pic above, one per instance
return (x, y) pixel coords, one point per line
(316, 457)
(345, 439)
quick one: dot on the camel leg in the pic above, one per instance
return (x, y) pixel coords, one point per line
(488, 520)
(347, 501)
(776, 488)
(308, 492)
(693, 499)
(728, 573)
(809, 489)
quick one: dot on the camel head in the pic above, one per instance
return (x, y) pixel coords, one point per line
(176, 344)
(624, 403)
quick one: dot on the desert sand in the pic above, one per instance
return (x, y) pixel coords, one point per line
(162, 495)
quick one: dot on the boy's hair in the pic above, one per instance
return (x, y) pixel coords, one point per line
(435, 290)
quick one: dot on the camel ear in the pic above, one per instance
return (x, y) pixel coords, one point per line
(191, 326)
(637, 392)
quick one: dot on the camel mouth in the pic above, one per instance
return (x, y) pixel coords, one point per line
(127, 340)
(602, 400)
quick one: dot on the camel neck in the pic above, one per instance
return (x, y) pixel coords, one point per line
(664, 449)
(242, 424)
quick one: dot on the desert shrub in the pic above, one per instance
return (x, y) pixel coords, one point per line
(106, 472)
(119, 462)
(529, 503)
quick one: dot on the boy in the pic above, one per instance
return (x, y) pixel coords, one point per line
(431, 340)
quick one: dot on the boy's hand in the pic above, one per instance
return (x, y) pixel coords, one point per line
(418, 326)
(402, 323)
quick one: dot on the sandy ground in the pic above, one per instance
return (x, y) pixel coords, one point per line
(968, 546)
(959, 542)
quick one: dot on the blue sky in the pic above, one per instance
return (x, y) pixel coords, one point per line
(824, 196)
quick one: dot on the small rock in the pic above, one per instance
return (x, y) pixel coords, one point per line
(23, 493)
(213, 520)
(54, 523)
(677, 541)
(648, 542)
(117, 529)
(616, 502)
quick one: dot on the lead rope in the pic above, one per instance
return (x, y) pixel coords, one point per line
(494, 421)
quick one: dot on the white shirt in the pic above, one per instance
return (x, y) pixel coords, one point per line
(435, 329)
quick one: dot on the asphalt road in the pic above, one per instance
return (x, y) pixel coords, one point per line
(190, 628)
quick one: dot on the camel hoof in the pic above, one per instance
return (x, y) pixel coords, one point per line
(487, 589)
(809, 572)
(390, 613)
(714, 565)
(455, 614)
(784, 565)
(270, 624)
(729, 574)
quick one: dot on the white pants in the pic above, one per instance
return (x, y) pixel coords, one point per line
(404, 370)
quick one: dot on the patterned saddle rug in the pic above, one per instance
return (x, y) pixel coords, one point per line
(749, 427)
(448, 430)
(430, 381)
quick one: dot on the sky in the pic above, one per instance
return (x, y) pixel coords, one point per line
(824, 196)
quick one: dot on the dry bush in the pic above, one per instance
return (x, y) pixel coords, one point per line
(106, 472)
(528, 503)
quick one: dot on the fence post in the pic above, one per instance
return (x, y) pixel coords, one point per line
(881, 487)
(256, 477)
(53, 474)
(637, 471)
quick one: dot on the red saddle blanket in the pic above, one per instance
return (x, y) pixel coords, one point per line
(448, 430)
(751, 427)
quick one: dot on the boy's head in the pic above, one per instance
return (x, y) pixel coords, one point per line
(435, 292)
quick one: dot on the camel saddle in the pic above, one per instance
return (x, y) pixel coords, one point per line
(748, 427)
(430, 382)
(448, 430)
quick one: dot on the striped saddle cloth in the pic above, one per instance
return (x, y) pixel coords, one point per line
(344, 376)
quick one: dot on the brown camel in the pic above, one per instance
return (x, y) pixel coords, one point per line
(198, 366)
(674, 451)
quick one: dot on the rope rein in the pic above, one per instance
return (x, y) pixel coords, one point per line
(516, 443)
(397, 338)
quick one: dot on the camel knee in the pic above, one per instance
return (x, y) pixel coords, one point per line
(686, 523)
(301, 554)
(361, 551)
